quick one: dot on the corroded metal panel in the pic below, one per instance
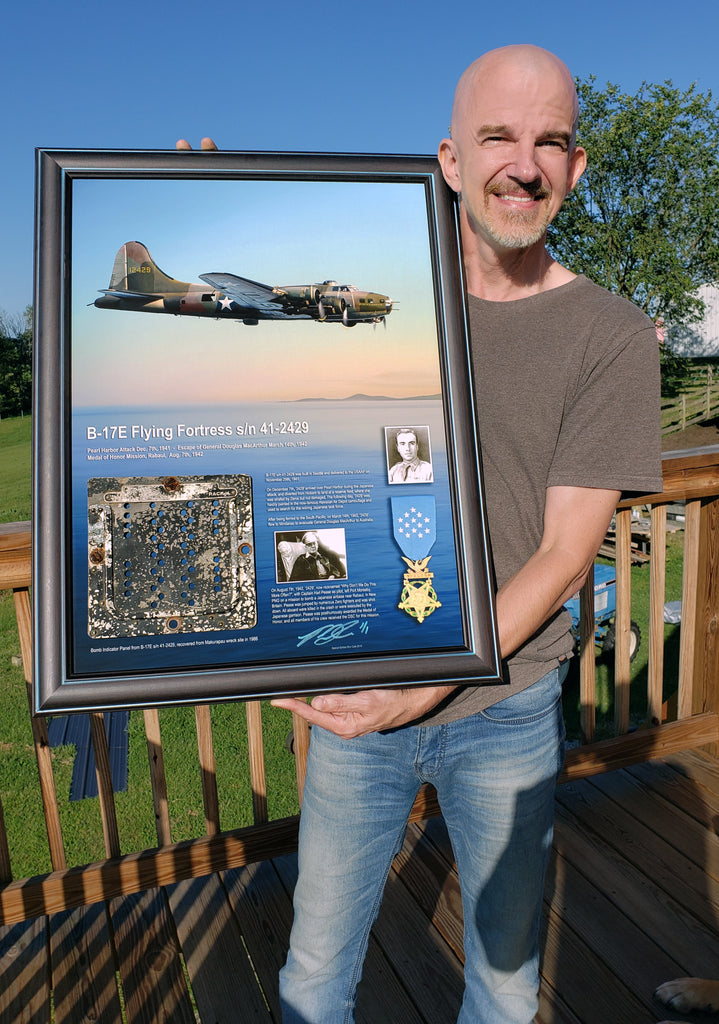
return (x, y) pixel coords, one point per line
(170, 555)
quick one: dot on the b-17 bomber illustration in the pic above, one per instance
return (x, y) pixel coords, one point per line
(137, 283)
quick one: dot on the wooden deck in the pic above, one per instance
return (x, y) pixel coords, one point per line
(632, 900)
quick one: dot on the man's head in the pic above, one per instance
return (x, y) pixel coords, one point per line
(311, 542)
(512, 152)
(407, 444)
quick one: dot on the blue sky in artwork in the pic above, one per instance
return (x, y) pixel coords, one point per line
(371, 77)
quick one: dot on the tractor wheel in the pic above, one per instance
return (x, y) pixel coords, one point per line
(635, 639)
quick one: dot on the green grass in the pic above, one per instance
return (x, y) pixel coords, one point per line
(15, 447)
(81, 823)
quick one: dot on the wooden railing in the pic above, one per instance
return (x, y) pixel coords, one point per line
(691, 479)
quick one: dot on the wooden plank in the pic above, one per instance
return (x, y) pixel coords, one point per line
(149, 961)
(15, 543)
(552, 1008)
(433, 885)
(690, 584)
(680, 790)
(104, 784)
(657, 592)
(221, 974)
(706, 663)
(587, 659)
(25, 988)
(301, 746)
(158, 779)
(425, 966)
(643, 848)
(83, 967)
(622, 621)
(255, 745)
(263, 908)
(701, 768)
(23, 616)
(380, 996)
(642, 745)
(652, 907)
(208, 770)
(632, 957)
(695, 842)
(135, 872)
(587, 984)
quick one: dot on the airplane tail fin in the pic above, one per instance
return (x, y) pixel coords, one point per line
(135, 271)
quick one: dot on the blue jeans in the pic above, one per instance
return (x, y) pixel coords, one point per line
(495, 774)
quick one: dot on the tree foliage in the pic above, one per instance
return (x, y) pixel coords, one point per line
(644, 219)
(15, 363)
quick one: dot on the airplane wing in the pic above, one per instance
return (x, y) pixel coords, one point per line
(148, 296)
(252, 295)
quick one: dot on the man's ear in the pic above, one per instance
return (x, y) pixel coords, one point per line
(447, 156)
(577, 166)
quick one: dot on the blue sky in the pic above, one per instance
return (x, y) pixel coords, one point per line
(366, 77)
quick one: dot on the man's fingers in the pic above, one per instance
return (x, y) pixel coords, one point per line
(207, 144)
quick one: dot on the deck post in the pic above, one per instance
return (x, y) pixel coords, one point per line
(706, 647)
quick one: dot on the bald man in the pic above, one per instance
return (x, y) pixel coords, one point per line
(555, 357)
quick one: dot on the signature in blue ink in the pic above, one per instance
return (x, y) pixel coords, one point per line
(333, 631)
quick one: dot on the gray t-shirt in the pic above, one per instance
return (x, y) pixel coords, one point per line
(567, 394)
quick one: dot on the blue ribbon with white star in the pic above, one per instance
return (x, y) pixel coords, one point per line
(414, 524)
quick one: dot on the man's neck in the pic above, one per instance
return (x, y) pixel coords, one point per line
(509, 274)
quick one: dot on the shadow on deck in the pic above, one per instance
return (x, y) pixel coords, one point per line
(632, 900)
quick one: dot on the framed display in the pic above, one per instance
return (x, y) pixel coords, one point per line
(256, 462)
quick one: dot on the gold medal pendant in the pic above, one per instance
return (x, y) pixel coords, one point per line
(418, 595)
(414, 519)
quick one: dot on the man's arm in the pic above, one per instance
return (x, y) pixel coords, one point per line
(575, 522)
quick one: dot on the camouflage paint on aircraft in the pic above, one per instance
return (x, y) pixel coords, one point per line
(137, 283)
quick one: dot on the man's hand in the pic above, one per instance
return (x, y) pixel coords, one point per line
(355, 714)
(205, 143)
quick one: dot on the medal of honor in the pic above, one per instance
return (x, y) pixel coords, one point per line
(414, 523)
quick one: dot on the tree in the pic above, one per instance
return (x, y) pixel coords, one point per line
(15, 363)
(644, 219)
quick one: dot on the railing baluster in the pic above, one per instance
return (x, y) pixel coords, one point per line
(657, 592)
(104, 784)
(622, 622)
(302, 745)
(158, 779)
(256, 748)
(690, 580)
(208, 770)
(587, 661)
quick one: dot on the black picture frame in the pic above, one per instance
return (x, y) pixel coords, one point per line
(112, 453)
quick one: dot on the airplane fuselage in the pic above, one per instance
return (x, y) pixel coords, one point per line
(137, 284)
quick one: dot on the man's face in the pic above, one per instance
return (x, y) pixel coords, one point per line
(311, 544)
(407, 446)
(510, 155)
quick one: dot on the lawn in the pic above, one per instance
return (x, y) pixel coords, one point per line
(82, 829)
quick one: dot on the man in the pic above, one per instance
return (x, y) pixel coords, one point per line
(313, 564)
(554, 358)
(411, 469)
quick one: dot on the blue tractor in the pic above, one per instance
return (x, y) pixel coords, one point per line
(605, 604)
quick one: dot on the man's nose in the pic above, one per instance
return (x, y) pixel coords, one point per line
(525, 167)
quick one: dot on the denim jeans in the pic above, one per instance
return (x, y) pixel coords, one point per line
(495, 774)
